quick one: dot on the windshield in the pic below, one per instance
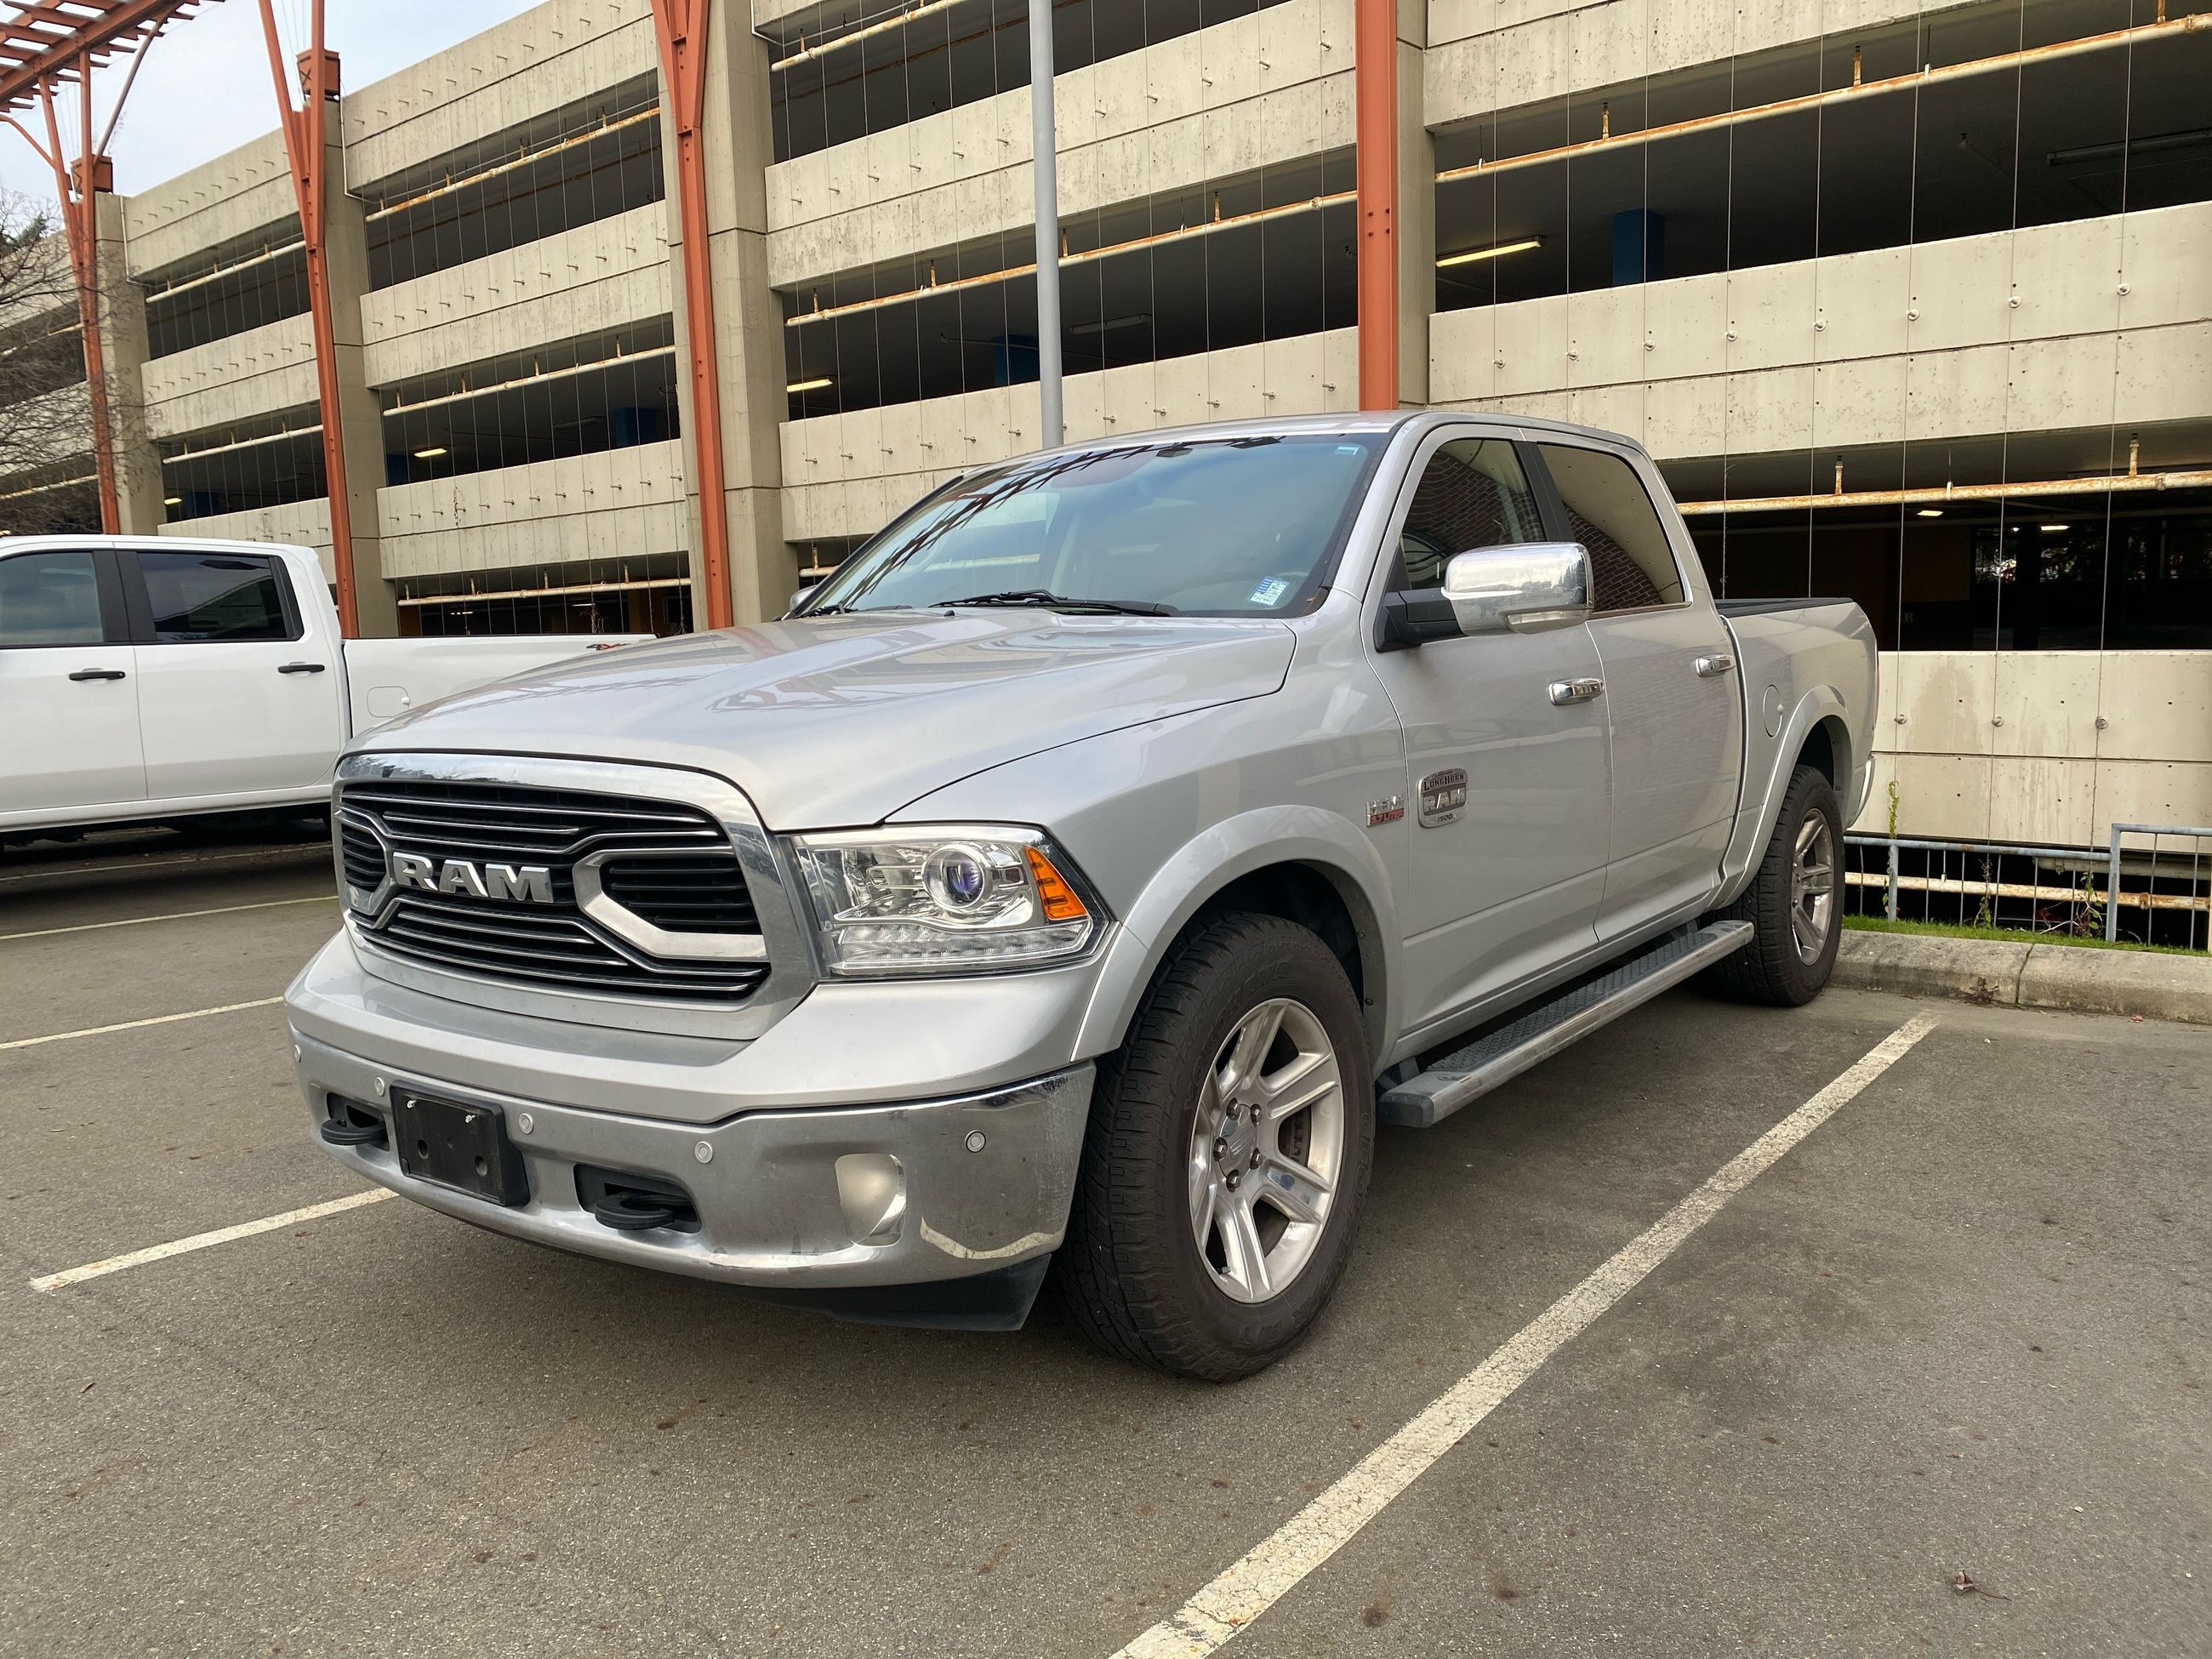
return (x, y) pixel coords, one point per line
(1246, 526)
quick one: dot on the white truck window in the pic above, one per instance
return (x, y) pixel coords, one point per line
(1610, 513)
(233, 597)
(49, 598)
(1473, 494)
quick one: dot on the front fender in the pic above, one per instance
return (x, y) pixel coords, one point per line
(1217, 856)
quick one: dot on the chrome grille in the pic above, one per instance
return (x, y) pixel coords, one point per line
(560, 951)
(666, 863)
(700, 894)
(501, 820)
(361, 855)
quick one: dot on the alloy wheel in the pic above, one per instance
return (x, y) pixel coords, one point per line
(1267, 1149)
(1813, 887)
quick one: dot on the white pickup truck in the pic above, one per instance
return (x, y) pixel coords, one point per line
(158, 679)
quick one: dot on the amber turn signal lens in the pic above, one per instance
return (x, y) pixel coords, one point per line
(1059, 899)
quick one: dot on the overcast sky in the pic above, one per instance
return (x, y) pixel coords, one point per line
(204, 88)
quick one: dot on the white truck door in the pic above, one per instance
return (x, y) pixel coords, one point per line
(1671, 696)
(237, 686)
(1507, 884)
(69, 706)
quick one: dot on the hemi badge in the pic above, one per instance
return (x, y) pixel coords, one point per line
(1388, 809)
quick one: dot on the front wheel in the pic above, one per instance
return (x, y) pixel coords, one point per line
(1227, 1156)
(1792, 902)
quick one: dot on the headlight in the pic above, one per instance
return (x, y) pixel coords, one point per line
(944, 899)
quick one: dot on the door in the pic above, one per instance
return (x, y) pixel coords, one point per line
(235, 699)
(1507, 884)
(1674, 709)
(69, 705)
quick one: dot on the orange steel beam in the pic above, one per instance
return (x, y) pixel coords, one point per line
(43, 44)
(75, 181)
(43, 47)
(304, 128)
(682, 28)
(1375, 98)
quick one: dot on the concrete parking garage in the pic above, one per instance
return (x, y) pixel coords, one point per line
(1959, 1327)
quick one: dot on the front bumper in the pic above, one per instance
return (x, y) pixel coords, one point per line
(823, 1198)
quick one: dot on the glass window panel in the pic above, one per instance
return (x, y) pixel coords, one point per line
(49, 598)
(215, 597)
(1473, 494)
(1610, 513)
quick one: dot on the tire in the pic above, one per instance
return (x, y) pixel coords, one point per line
(1797, 928)
(1133, 1273)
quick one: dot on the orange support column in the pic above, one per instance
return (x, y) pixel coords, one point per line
(304, 129)
(1375, 98)
(682, 26)
(74, 185)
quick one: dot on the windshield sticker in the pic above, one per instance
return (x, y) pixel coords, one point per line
(1270, 592)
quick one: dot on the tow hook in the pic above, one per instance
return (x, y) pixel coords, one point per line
(632, 1212)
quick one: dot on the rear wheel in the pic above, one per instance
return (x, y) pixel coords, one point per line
(1227, 1156)
(1792, 902)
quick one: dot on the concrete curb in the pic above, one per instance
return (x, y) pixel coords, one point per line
(2079, 979)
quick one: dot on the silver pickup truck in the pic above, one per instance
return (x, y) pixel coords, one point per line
(1076, 879)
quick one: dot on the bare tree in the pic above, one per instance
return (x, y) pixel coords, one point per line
(46, 467)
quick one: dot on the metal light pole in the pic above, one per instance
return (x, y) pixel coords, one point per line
(1044, 147)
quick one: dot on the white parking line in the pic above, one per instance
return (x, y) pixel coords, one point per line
(1250, 1587)
(61, 867)
(134, 1025)
(116, 1264)
(172, 916)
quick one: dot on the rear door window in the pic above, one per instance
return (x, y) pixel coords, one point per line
(207, 598)
(1610, 513)
(51, 598)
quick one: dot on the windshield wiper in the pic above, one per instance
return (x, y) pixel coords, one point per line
(1043, 596)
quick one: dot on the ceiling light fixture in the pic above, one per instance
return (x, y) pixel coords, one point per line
(1129, 321)
(2053, 529)
(808, 386)
(430, 454)
(173, 501)
(1502, 249)
(1931, 511)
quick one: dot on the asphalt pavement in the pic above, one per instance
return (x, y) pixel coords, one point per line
(1960, 1326)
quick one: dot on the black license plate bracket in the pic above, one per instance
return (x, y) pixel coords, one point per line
(465, 1148)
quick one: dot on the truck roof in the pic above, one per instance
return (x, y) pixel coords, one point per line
(1349, 421)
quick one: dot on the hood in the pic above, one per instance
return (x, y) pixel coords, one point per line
(844, 719)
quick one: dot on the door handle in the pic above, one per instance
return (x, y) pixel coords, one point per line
(1564, 692)
(1714, 666)
(301, 668)
(97, 674)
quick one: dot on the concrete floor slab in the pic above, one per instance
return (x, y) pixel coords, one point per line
(389, 1433)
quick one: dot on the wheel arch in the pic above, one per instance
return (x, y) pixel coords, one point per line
(1817, 733)
(1302, 863)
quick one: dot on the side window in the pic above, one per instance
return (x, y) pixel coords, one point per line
(49, 598)
(230, 597)
(1610, 513)
(1472, 494)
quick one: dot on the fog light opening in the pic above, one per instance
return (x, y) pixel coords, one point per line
(871, 1191)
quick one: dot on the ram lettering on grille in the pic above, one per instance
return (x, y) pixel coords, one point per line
(526, 883)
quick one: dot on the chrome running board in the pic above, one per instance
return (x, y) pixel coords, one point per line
(1468, 1073)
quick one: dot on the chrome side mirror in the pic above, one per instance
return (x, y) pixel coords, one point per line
(1528, 588)
(799, 596)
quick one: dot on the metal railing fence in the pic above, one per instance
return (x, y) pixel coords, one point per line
(2150, 894)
